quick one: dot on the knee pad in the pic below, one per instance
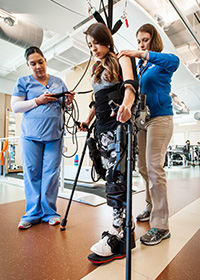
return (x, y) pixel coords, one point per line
(116, 195)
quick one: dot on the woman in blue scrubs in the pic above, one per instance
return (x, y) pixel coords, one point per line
(41, 138)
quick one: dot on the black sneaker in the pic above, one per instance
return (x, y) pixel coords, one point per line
(154, 236)
(144, 216)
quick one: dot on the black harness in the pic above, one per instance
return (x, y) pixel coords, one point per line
(102, 97)
(116, 173)
(104, 122)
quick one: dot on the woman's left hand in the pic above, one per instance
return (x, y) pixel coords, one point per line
(69, 97)
(123, 114)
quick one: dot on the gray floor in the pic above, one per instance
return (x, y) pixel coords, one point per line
(10, 192)
(12, 189)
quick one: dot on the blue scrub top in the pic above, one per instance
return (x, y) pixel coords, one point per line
(44, 122)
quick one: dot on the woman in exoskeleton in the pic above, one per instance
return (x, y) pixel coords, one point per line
(106, 79)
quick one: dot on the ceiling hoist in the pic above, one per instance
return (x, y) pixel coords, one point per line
(72, 111)
(108, 16)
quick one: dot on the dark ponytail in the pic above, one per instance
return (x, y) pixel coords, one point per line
(32, 50)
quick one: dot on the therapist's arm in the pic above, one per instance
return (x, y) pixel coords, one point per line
(20, 105)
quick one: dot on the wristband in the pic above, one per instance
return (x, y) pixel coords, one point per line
(92, 103)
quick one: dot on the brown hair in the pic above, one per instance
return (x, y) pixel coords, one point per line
(32, 50)
(109, 63)
(156, 43)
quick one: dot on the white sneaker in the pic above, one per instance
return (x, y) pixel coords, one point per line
(24, 225)
(102, 248)
(54, 221)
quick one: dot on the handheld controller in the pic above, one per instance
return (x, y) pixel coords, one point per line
(79, 123)
(114, 106)
(61, 94)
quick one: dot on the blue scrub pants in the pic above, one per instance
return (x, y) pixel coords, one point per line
(41, 166)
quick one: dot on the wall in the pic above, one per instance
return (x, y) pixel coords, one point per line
(182, 133)
(5, 108)
(83, 101)
(2, 114)
(7, 85)
(4, 105)
(18, 158)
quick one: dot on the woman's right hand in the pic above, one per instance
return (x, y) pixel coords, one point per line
(130, 53)
(83, 126)
(45, 98)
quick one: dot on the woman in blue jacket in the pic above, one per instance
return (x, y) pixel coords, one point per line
(41, 138)
(155, 70)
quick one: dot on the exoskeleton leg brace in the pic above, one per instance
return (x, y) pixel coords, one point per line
(116, 172)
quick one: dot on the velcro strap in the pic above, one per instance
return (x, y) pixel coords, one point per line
(113, 241)
(115, 189)
(117, 201)
(92, 103)
(133, 83)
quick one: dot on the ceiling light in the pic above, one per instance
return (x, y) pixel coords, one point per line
(197, 116)
(161, 22)
(10, 21)
(7, 18)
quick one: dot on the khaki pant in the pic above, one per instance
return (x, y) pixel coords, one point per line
(153, 143)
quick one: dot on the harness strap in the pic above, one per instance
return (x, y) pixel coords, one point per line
(113, 241)
(134, 84)
(117, 201)
(116, 195)
(102, 97)
(114, 189)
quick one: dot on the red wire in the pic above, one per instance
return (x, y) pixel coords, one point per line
(89, 13)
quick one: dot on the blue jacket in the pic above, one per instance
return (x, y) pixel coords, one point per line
(155, 82)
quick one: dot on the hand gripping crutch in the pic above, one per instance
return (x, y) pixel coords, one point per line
(131, 131)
